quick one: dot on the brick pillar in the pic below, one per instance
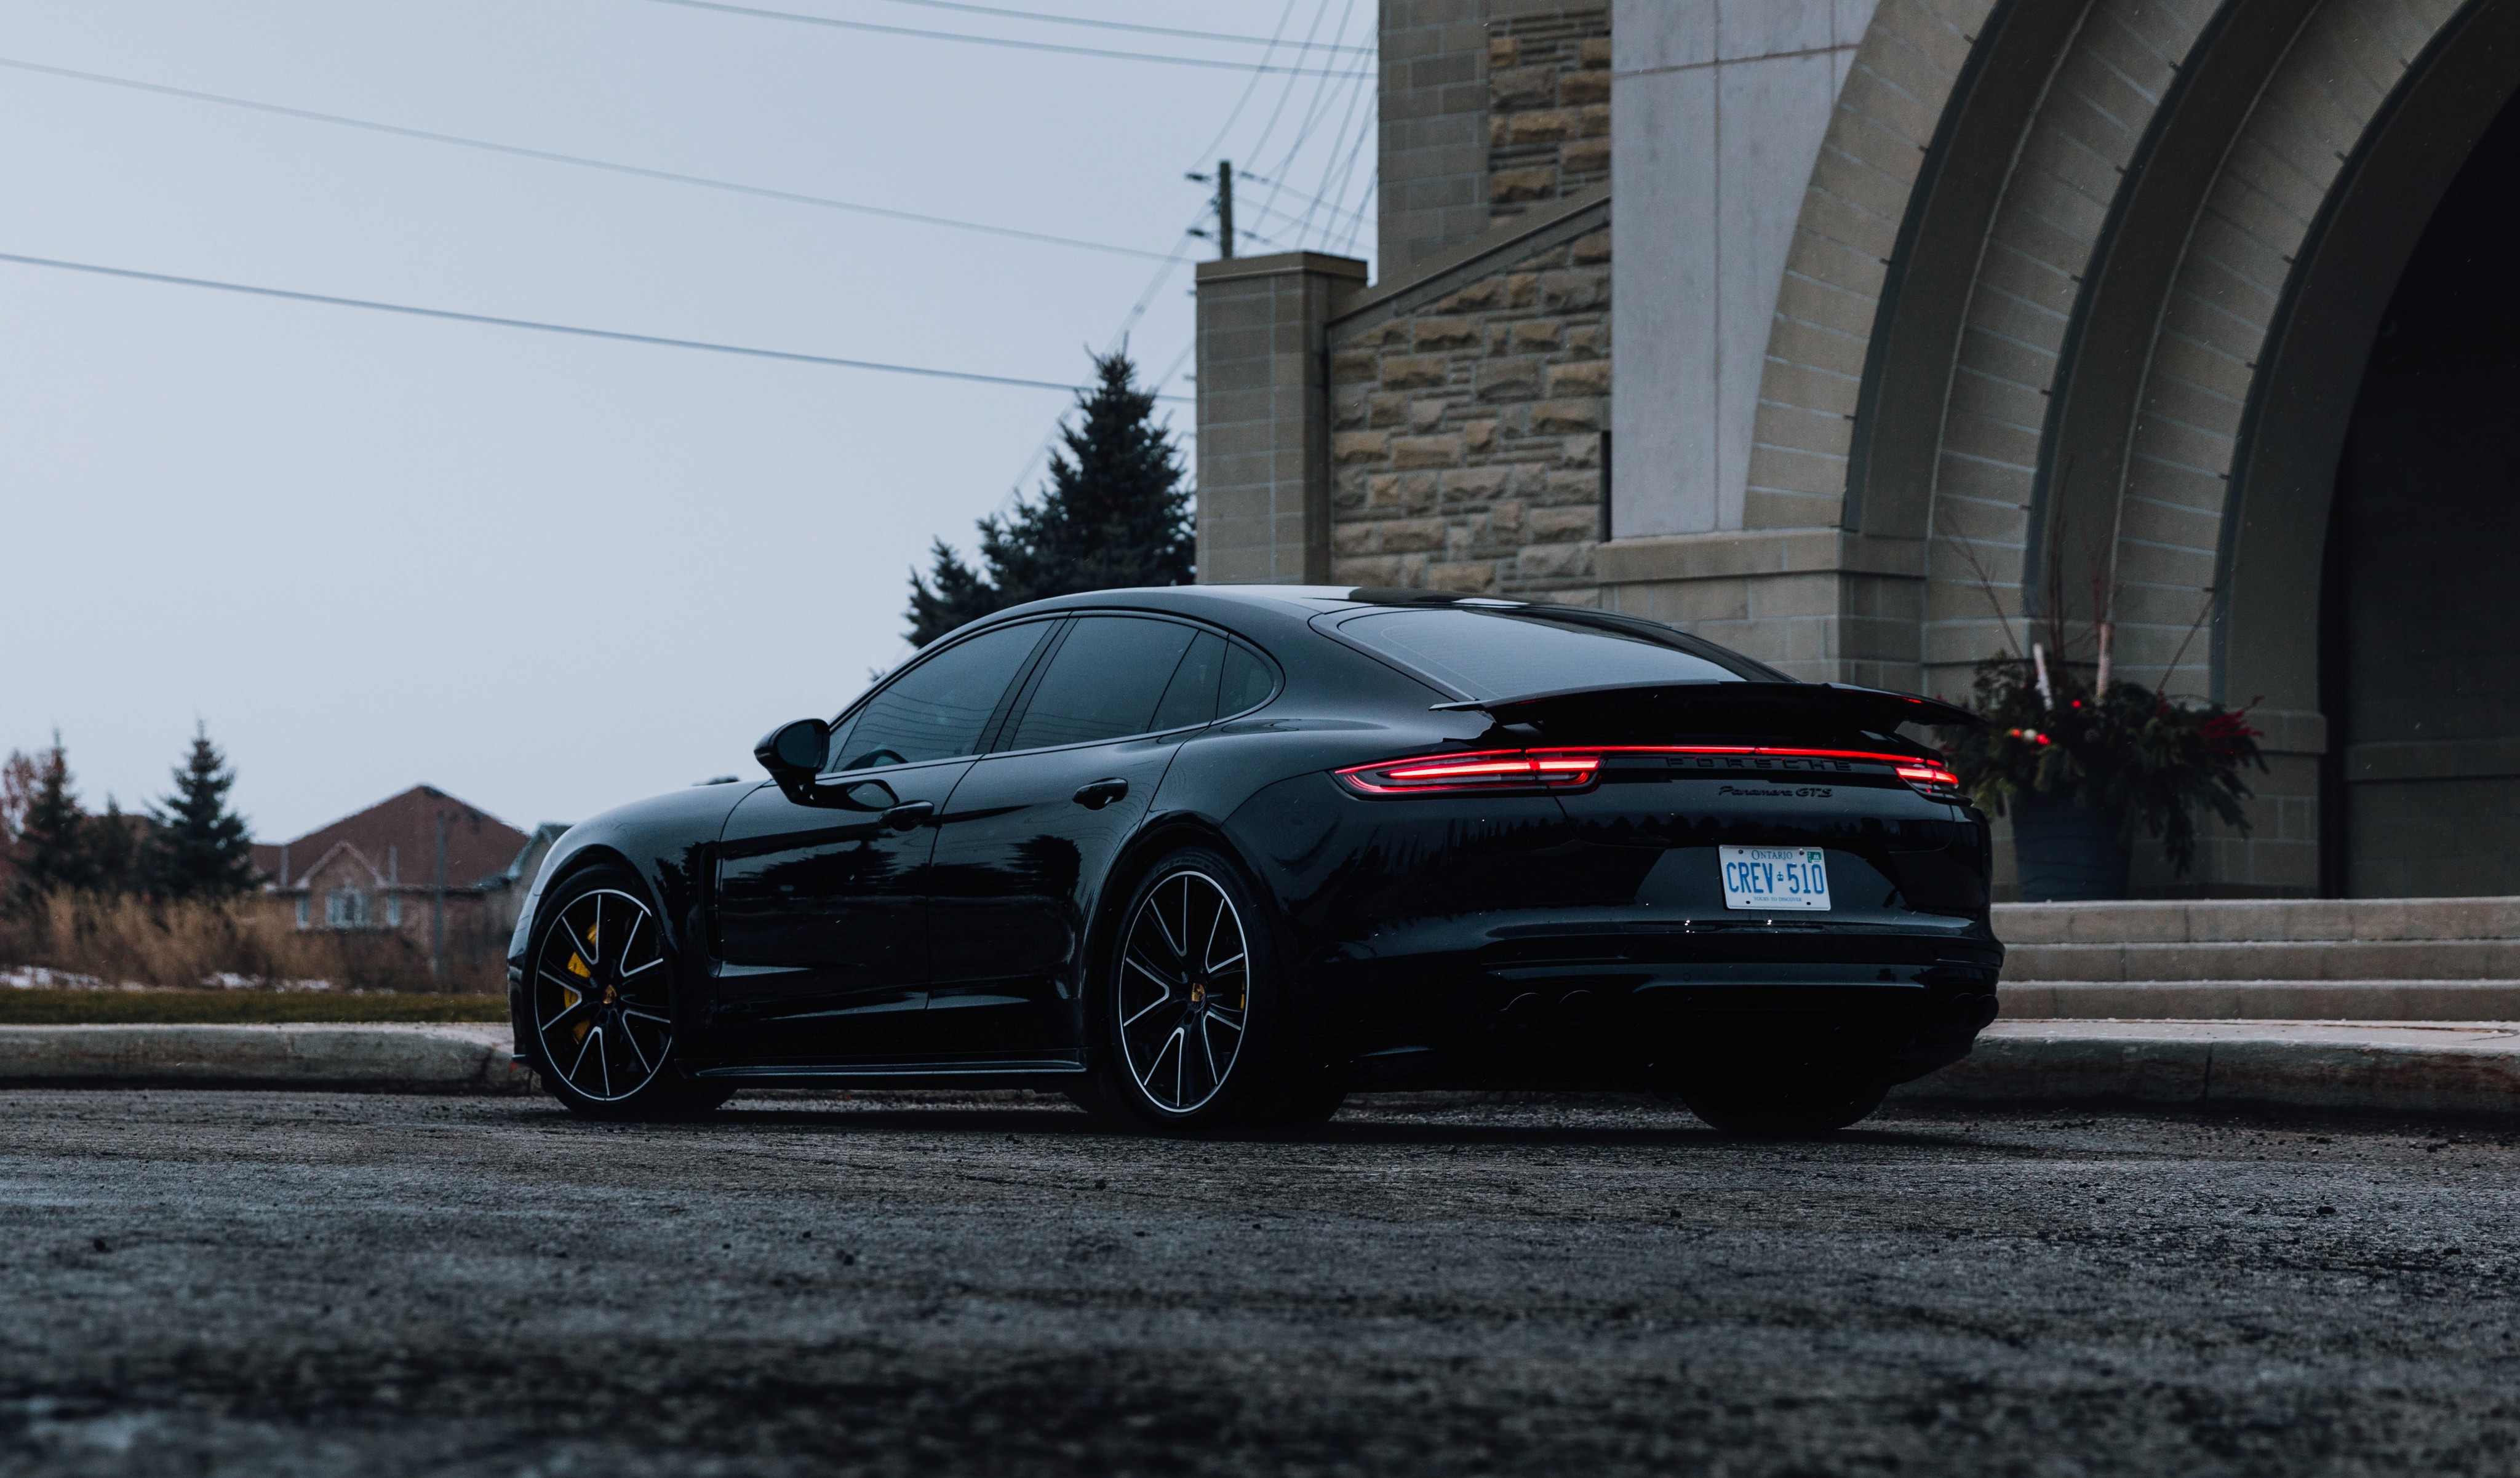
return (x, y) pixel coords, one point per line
(1264, 416)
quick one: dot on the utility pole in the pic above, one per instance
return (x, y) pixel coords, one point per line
(437, 918)
(1225, 208)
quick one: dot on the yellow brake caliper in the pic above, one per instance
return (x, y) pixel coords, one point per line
(579, 968)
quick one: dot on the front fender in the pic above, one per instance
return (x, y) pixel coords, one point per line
(665, 839)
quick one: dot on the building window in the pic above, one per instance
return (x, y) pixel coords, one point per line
(393, 911)
(346, 909)
(301, 909)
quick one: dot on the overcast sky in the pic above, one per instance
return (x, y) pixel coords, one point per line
(550, 574)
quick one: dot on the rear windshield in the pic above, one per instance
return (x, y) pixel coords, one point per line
(1510, 654)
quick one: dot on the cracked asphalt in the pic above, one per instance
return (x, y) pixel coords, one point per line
(213, 1283)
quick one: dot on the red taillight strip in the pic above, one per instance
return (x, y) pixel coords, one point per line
(1491, 769)
(1865, 754)
(1471, 772)
(1451, 772)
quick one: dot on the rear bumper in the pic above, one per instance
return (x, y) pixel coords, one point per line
(1621, 1004)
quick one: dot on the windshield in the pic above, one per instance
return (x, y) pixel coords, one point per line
(1494, 653)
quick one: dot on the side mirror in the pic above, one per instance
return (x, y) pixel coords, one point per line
(794, 753)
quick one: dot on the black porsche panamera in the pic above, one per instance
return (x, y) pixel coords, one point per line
(1208, 857)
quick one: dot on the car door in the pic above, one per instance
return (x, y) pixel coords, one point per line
(821, 897)
(1032, 830)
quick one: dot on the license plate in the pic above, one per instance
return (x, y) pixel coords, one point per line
(1775, 879)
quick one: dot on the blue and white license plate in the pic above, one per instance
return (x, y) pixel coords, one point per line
(1775, 879)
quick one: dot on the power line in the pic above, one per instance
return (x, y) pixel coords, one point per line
(1339, 169)
(1284, 215)
(1332, 164)
(1164, 272)
(575, 330)
(1356, 228)
(551, 157)
(1243, 101)
(1158, 30)
(1313, 111)
(1278, 109)
(1179, 360)
(757, 13)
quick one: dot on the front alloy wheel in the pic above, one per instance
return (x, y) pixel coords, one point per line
(598, 1009)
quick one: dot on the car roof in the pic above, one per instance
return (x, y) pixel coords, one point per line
(1276, 615)
(1301, 602)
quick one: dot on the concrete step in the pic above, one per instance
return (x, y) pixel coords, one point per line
(2261, 1000)
(2458, 1068)
(2266, 960)
(2257, 920)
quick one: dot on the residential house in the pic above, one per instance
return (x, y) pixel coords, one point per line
(447, 875)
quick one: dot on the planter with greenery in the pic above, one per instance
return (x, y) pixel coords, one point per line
(2082, 768)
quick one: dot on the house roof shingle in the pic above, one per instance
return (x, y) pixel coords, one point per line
(398, 836)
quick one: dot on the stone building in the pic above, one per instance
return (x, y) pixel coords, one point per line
(1930, 317)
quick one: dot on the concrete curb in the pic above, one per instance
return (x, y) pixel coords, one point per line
(452, 1057)
(2444, 1067)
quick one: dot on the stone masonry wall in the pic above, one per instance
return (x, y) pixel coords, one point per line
(1549, 106)
(1467, 417)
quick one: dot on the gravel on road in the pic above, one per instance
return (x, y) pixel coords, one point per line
(228, 1282)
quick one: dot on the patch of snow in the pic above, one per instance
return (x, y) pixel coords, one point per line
(36, 978)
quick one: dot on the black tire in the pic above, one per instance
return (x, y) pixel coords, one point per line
(1787, 1109)
(596, 1013)
(1192, 1028)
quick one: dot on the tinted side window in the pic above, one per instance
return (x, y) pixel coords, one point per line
(938, 709)
(1104, 682)
(1192, 697)
(1248, 682)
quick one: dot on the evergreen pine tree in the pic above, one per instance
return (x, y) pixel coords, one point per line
(199, 848)
(18, 777)
(115, 855)
(54, 854)
(1115, 514)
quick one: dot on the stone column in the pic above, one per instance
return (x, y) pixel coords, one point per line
(1717, 115)
(1264, 416)
(1433, 159)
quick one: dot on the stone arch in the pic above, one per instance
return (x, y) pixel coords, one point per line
(2161, 323)
(2390, 173)
(1910, 170)
(2177, 334)
(2063, 217)
(2081, 486)
(2371, 118)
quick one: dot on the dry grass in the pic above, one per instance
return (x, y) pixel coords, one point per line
(43, 1007)
(118, 939)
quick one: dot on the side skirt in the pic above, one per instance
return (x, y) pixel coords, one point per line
(1059, 1065)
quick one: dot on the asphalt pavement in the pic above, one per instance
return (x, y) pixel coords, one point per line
(311, 1283)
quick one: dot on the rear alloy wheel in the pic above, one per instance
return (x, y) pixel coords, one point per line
(598, 1006)
(1191, 998)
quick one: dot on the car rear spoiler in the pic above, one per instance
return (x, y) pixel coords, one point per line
(1720, 709)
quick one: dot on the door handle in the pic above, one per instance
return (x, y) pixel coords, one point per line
(908, 814)
(1102, 793)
